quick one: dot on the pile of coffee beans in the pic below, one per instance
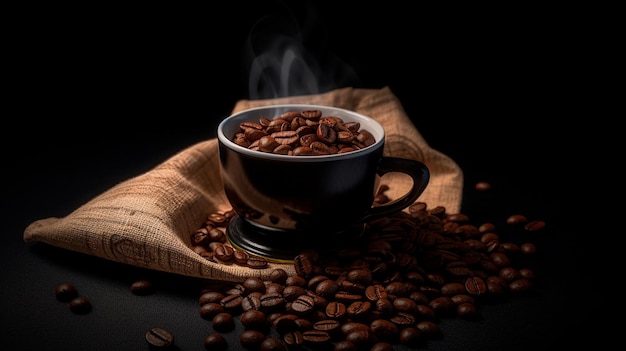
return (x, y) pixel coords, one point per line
(67, 292)
(210, 242)
(303, 133)
(411, 270)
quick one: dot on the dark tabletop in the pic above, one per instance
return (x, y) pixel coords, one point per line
(104, 97)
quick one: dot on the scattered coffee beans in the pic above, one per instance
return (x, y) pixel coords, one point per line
(303, 133)
(412, 269)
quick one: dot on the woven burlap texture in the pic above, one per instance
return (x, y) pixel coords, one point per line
(147, 221)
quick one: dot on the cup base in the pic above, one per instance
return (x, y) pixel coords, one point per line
(283, 246)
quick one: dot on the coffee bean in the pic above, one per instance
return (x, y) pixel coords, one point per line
(65, 292)
(223, 322)
(380, 346)
(257, 262)
(210, 296)
(142, 287)
(475, 286)
(210, 310)
(534, 225)
(251, 339)
(303, 304)
(516, 219)
(254, 319)
(272, 344)
(293, 338)
(159, 338)
(80, 305)
(385, 329)
(215, 342)
(411, 337)
(316, 336)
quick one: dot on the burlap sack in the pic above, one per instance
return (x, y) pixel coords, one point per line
(147, 221)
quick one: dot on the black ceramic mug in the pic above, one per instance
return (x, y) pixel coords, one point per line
(305, 199)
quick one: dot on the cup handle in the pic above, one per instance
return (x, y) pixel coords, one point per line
(415, 169)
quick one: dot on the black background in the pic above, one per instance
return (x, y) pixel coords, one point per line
(103, 94)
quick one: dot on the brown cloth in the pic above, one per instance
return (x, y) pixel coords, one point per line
(148, 220)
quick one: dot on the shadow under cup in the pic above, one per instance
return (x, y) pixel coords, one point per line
(286, 204)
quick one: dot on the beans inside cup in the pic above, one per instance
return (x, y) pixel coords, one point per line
(303, 133)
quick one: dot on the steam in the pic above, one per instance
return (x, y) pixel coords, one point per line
(284, 62)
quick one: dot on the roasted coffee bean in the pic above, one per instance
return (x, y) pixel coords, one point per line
(363, 339)
(316, 336)
(80, 305)
(466, 310)
(293, 338)
(303, 265)
(272, 301)
(303, 304)
(327, 288)
(210, 310)
(274, 288)
(210, 296)
(330, 326)
(159, 338)
(142, 287)
(411, 337)
(462, 298)
(296, 280)
(223, 322)
(402, 319)
(520, 285)
(442, 305)
(279, 276)
(345, 345)
(528, 248)
(351, 326)
(241, 257)
(251, 339)
(516, 219)
(336, 310)
(375, 292)
(359, 309)
(475, 286)
(215, 341)
(534, 225)
(292, 292)
(251, 302)
(380, 346)
(253, 284)
(272, 344)
(429, 328)
(404, 304)
(254, 319)
(257, 262)
(385, 329)
(232, 302)
(65, 292)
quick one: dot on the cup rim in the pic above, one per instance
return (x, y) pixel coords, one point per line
(350, 115)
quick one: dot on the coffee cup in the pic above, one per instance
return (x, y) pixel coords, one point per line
(287, 199)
